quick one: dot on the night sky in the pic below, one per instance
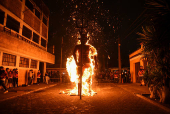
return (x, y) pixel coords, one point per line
(112, 18)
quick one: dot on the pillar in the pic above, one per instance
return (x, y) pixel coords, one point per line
(44, 71)
(1, 54)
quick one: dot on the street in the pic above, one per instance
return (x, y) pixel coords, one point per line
(110, 99)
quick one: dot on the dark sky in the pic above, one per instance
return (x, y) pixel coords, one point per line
(124, 11)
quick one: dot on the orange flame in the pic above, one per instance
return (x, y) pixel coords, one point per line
(87, 74)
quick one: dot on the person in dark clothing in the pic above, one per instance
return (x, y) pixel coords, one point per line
(10, 78)
(30, 77)
(15, 77)
(6, 75)
(38, 77)
(2, 78)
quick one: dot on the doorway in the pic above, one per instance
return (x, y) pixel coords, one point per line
(41, 68)
(137, 67)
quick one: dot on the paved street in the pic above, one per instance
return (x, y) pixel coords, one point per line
(110, 99)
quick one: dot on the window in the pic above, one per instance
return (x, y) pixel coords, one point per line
(44, 21)
(8, 60)
(26, 32)
(24, 62)
(29, 5)
(35, 38)
(2, 14)
(33, 64)
(37, 13)
(12, 24)
(43, 42)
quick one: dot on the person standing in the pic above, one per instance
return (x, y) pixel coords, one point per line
(15, 77)
(46, 77)
(30, 77)
(141, 75)
(111, 75)
(10, 78)
(6, 75)
(38, 77)
(2, 79)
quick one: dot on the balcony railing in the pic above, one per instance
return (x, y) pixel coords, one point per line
(15, 34)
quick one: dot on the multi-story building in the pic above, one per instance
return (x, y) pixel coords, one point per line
(24, 36)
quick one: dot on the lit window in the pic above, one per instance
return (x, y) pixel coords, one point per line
(24, 62)
(33, 64)
(8, 59)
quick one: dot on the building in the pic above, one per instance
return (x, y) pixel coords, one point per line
(24, 28)
(137, 60)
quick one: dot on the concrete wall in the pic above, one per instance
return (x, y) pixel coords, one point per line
(20, 12)
(13, 5)
(17, 46)
(132, 67)
(136, 57)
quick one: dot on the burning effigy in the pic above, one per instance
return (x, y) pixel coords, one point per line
(80, 67)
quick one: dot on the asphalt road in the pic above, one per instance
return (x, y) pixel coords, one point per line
(110, 99)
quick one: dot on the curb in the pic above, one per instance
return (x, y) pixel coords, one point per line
(148, 100)
(28, 92)
(153, 102)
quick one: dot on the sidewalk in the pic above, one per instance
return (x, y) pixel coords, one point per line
(19, 91)
(143, 92)
(134, 88)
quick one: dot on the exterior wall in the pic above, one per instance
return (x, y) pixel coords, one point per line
(132, 67)
(12, 5)
(19, 11)
(16, 44)
(136, 57)
(44, 30)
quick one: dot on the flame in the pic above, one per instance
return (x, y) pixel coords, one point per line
(87, 74)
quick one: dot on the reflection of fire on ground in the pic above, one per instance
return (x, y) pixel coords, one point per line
(88, 72)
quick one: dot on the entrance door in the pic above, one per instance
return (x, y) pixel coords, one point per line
(41, 67)
(137, 67)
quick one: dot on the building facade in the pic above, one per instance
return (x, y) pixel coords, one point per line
(24, 28)
(137, 60)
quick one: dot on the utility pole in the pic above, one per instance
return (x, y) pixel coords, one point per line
(61, 65)
(119, 61)
(104, 63)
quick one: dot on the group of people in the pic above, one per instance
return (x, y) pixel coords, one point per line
(8, 78)
(31, 77)
(114, 76)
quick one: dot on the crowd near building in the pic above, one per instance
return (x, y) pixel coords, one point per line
(24, 28)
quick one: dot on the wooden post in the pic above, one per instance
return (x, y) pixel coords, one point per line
(61, 65)
(119, 61)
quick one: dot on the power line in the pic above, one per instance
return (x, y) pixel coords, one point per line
(137, 18)
(134, 22)
(135, 28)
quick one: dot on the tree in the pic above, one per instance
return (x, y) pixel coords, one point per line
(156, 41)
